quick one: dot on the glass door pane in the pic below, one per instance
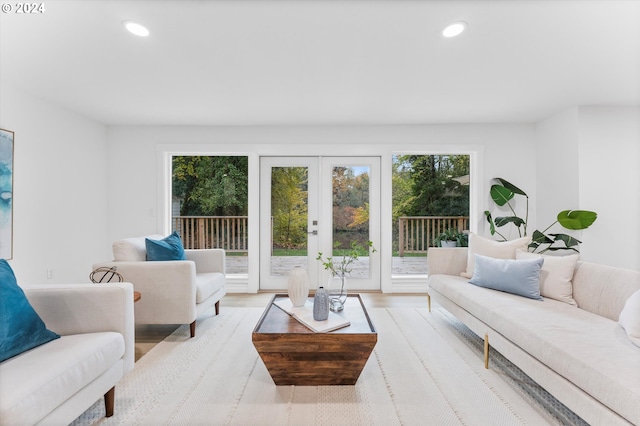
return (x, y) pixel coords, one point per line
(351, 187)
(289, 217)
(350, 224)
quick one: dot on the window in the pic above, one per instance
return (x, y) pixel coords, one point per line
(210, 205)
(430, 195)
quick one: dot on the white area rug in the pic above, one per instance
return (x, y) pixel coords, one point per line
(421, 372)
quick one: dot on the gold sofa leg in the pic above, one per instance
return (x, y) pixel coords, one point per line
(486, 350)
(192, 327)
(429, 301)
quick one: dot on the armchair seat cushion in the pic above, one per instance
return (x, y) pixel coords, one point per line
(207, 284)
(40, 383)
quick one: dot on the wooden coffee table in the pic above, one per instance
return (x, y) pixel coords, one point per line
(295, 355)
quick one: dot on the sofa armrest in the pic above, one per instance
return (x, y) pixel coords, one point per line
(87, 308)
(168, 289)
(174, 279)
(208, 260)
(446, 261)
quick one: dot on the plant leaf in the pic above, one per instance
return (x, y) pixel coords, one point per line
(539, 238)
(490, 220)
(500, 195)
(568, 240)
(561, 248)
(501, 221)
(512, 187)
(577, 219)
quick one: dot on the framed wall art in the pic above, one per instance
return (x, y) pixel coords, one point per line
(6, 194)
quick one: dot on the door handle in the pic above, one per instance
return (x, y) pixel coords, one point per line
(314, 232)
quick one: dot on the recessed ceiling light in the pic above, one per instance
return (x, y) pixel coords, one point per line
(454, 29)
(135, 28)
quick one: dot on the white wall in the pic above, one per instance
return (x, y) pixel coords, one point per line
(557, 166)
(60, 181)
(609, 177)
(588, 159)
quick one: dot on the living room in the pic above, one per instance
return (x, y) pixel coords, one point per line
(554, 109)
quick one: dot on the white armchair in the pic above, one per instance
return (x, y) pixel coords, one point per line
(173, 292)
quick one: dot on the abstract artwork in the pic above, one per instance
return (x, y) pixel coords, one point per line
(6, 194)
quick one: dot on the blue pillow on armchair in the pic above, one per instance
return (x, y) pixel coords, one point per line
(21, 328)
(521, 277)
(168, 248)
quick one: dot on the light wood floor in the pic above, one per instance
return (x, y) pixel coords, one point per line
(147, 336)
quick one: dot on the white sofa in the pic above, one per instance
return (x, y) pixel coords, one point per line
(54, 383)
(172, 291)
(581, 355)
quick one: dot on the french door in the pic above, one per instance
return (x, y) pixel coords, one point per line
(318, 204)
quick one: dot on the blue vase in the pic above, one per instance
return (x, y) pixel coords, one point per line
(321, 304)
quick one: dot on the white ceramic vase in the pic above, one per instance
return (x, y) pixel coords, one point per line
(298, 286)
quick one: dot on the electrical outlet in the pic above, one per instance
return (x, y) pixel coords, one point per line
(49, 274)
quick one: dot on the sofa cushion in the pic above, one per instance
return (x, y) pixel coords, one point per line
(21, 328)
(131, 249)
(555, 276)
(491, 248)
(37, 381)
(207, 284)
(168, 248)
(521, 277)
(630, 317)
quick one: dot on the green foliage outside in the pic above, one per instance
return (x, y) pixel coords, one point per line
(211, 185)
(424, 185)
(350, 209)
(289, 207)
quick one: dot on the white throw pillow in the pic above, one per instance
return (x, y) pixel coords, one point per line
(132, 249)
(555, 276)
(630, 318)
(491, 248)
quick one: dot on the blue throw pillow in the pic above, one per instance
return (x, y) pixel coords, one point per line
(521, 277)
(168, 248)
(21, 328)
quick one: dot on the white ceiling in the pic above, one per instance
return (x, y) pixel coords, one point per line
(324, 62)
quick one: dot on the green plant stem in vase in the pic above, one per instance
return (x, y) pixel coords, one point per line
(337, 292)
(340, 270)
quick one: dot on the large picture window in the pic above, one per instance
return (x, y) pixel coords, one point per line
(210, 205)
(430, 199)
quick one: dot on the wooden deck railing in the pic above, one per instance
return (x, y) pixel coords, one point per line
(203, 232)
(416, 233)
